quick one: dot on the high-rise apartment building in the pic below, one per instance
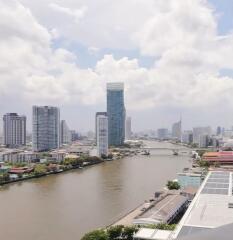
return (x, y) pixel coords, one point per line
(102, 135)
(162, 133)
(14, 130)
(128, 130)
(96, 115)
(187, 137)
(46, 128)
(204, 141)
(219, 131)
(198, 131)
(74, 135)
(177, 130)
(116, 114)
(65, 133)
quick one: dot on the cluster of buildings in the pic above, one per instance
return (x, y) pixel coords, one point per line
(50, 133)
(201, 137)
(112, 126)
(208, 216)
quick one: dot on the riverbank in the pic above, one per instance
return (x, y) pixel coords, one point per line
(49, 173)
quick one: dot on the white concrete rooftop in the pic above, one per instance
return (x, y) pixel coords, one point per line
(209, 209)
(153, 234)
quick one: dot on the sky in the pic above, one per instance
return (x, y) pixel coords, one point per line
(175, 58)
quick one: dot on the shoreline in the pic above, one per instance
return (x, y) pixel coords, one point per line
(122, 218)
(47, 174)
(66, 170)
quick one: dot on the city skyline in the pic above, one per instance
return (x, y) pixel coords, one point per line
(116, 119)
(168, 126)
(69, 67)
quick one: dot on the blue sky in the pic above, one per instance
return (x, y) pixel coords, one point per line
(225, 11)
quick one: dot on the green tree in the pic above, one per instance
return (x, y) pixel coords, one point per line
(96, 235)
(115, 232)
(4, 177)
(129, 231)
(20, 164)
(173, 185)
(40, 169)
(202, 163)
(164, 226)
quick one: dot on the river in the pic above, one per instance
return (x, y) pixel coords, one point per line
(65, 206)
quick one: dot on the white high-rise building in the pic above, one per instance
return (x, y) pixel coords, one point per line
(46, 128)
(96, 115)
(198, 131)
(14, 130)
(128, 131)
(177, 130)
(65, 133)
(162, 133)
(187, 137)
(102, 135)
(203, 141)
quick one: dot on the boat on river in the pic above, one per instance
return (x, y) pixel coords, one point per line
(146, 152)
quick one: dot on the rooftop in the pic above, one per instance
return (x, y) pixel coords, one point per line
(190, 174)
(162, 211)
(115, 86)
(146, 233)
(210, 207)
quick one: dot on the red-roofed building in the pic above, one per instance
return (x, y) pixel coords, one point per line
(20, 170)
(224, 157)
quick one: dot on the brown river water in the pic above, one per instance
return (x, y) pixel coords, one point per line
(65, 206)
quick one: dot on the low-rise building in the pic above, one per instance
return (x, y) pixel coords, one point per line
(18, 156)
(189, 192)
(163, 211)
(223, 157)
(58, 155)
(189, 179)
(211, 208)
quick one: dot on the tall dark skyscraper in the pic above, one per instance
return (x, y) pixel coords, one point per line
(116, 114)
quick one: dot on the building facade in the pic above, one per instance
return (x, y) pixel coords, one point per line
(46, 128)
(177, 130)
(162, 133)
(14, 130)
(198, 131)
(102, 135)
(65, 133)
(204, 141)
(189, 179)
(96, 115)
(187, 137)
(128, 130)
(116, 114)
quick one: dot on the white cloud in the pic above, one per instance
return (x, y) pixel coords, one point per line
(93, 50)
(181, 35)
(77, 14)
